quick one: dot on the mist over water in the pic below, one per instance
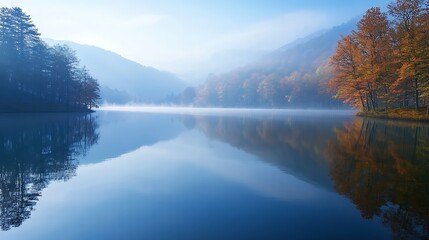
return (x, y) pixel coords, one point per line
(214, 174)
(228, 111)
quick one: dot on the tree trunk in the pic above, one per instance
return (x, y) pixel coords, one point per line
(427, 105)
(362, 102)
(367, 103)
(416, 86)
(371, 96)
(405, 100)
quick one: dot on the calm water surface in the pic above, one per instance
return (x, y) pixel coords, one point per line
(212, 175)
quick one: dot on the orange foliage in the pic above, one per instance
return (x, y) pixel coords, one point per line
(385, 63)
(361, 62)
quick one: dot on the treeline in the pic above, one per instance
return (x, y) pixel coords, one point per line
(279, 88)
(36, 77)
(294, 76)
(261, 87)
(385, 62)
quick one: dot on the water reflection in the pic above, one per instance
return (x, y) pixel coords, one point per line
(125, 132)
(295, 144)
(203, 174)
(35, 150)
(384, 169)
(381, 166)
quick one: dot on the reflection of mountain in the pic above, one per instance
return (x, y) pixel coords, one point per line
(35, 151)
(126, 132)
(294, 144)
(384, 170)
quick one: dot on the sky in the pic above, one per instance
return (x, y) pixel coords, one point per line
(182, 36)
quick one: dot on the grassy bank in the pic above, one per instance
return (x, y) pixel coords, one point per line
(409, 114)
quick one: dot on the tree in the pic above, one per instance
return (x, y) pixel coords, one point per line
(347, 81)
(188, 96)
(410, 25)
(268, 89)
(35, 77)
(19, 38)
(362, 62)
(384, 63)
(64, 71)
(375, 44)
(89, 89)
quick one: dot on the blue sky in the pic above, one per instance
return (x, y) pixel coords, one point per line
(184, 35)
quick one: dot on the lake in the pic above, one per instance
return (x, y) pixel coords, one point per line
(149, 173)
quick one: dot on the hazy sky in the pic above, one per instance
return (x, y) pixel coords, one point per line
(180, 35)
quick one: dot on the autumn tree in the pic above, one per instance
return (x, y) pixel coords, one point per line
(267, 89)
(362, 62)
(385, 64)
(375, 45)
(347, 83)
(411, 27)
(250, 94)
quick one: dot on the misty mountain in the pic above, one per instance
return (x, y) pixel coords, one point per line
(306, 54)
(221, 62)
(123, 80)
(293, 76)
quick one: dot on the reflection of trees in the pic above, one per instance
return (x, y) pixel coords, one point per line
(382, 167)
(384, 170)
(35, 151)
(267, 136)
(293, 144)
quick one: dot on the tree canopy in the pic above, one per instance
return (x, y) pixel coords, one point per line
(36, 77)
(385, 63)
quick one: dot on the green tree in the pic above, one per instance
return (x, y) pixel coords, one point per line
(35, 77)
(18, 39)
(89, 88)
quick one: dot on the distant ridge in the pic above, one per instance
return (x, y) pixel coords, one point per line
(294, 76)
(309, 52)
(123, 80)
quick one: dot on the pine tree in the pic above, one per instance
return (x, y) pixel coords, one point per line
(35, 77)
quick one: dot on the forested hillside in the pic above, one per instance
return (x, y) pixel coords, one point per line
(123, 80)
(294, 76)
(38, 78)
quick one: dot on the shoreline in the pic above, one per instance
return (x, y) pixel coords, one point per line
(46, 111)
(397, 114)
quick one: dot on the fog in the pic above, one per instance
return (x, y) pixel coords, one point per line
(248, 112)
(189, 38)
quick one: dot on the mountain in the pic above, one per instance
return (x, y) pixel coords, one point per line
(123, 80)
(308, 53)
(293, 76)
